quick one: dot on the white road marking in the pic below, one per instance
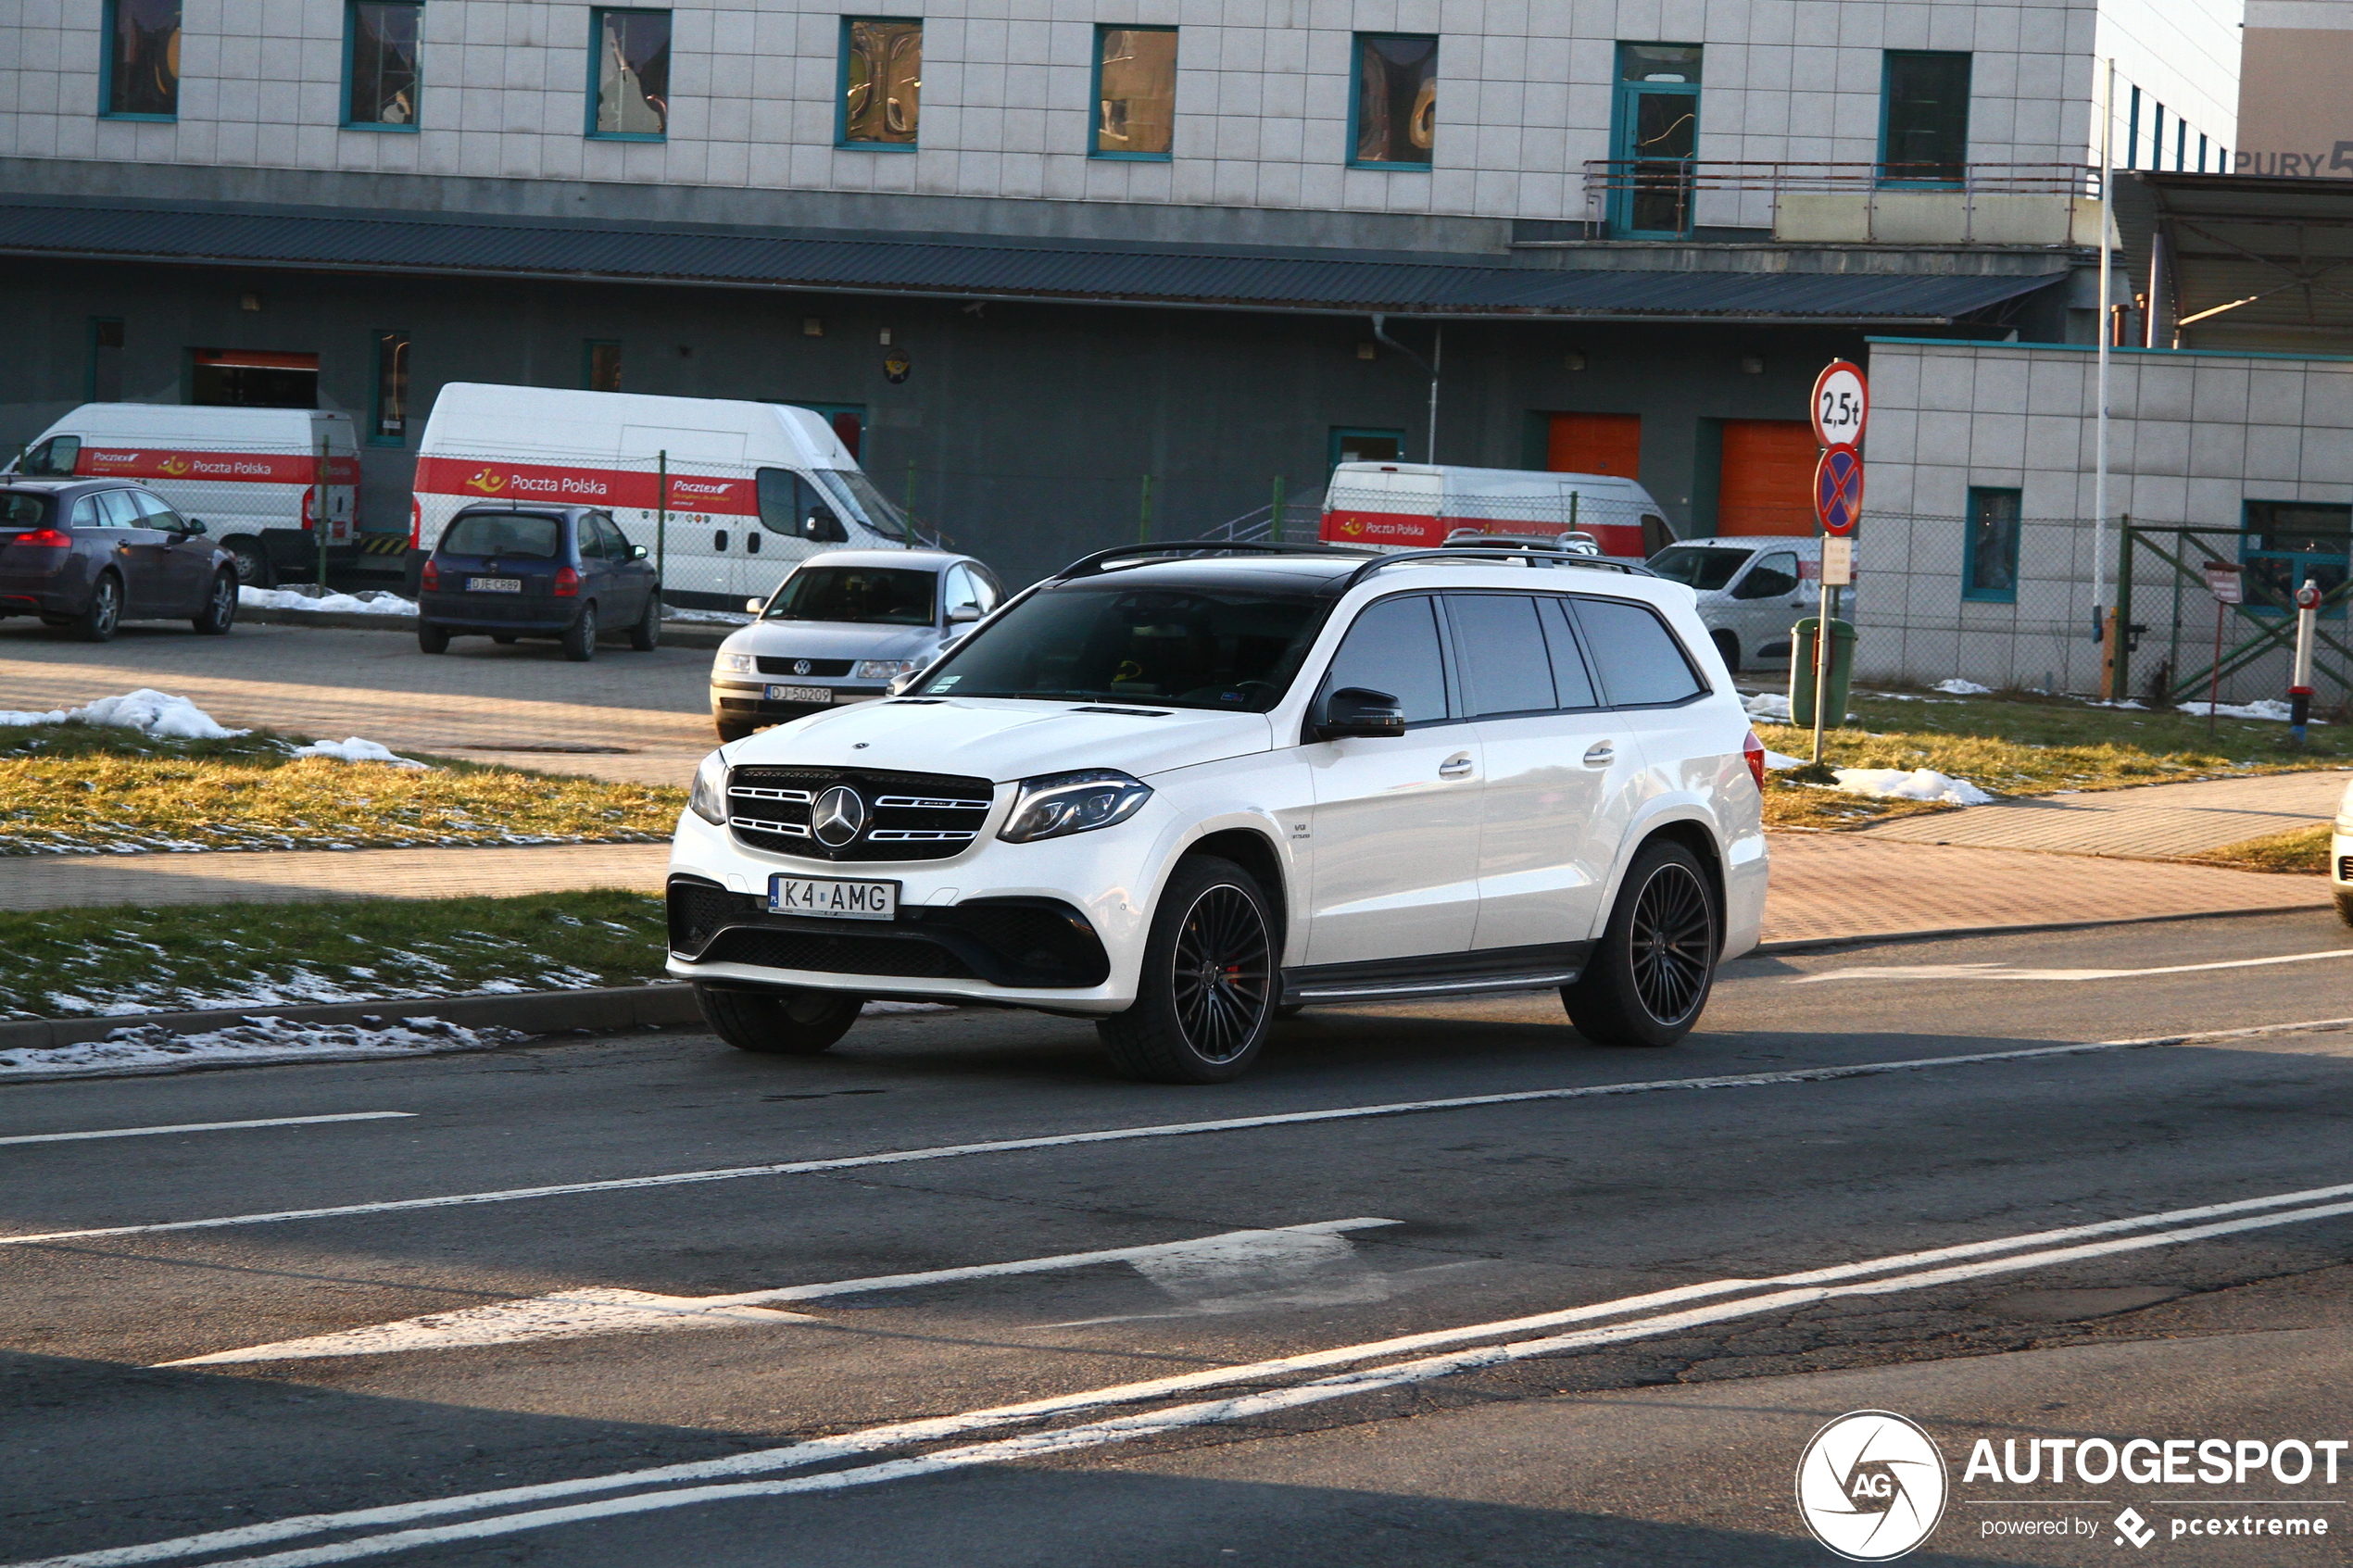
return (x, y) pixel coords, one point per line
(1182, 1129)
(206, 1127)
(1780, 1293)
(571, 1314)
(2003, 972)
(940, 1428)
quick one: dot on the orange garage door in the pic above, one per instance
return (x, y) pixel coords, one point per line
(1767, 484)
(1595, 443)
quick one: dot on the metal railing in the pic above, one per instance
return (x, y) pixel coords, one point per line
(1649, 198)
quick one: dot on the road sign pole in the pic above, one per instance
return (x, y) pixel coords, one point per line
(1822, 665)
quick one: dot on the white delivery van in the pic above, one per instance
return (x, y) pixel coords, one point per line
(1419, 506)
(753, 488)
(253, 475)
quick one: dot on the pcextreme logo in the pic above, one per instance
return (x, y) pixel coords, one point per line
(1872, 1485)
(488, 482)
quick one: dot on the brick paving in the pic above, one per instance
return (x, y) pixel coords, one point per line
(2155, 822)
(299, 876)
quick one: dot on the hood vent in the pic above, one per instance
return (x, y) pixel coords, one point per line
(1130, 713)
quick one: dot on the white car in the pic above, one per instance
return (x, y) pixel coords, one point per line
(840, 629)
(1751, 591)
(1178, 794)
(2341, 856)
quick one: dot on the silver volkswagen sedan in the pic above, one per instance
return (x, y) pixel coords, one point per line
(840, 629)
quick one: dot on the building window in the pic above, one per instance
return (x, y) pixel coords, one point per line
(106, 361)
(629, 75)
(882, 82)
(1350, 446)
(601, 366)
(142, 74)
(1395, 118)
(381, 64)
(1989, 554)
(2286, 543)
(391, 426)
(249, 378)
(1135, 92)
(1923, 117)
(1655, 139)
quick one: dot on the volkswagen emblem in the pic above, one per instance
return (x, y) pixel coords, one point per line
(801, 667)
(838, 818)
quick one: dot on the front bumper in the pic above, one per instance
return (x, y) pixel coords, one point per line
(497, 612)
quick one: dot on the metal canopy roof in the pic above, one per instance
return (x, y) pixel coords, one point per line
(2242, 261)
(1073, 272)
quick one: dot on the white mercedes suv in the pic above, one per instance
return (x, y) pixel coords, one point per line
(1180, 789)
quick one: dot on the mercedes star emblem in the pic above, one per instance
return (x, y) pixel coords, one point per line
(838, 817)
(801, 667)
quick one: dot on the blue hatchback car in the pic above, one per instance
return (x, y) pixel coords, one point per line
(522, 570)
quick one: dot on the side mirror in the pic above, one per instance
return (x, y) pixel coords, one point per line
(825, 528)
(194, 525)
(1360, 712)
(637, 552)
(755, 605)
(963, 615)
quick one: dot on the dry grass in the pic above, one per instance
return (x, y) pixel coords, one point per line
(2298, 852)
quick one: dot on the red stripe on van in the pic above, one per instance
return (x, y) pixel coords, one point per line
(1422, 531)
(236, 467)
(471, 478)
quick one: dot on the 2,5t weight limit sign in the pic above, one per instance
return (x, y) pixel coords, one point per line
(1842, 405)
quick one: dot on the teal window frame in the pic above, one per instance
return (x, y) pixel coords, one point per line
(1357, 42)
(350, 60)
(1095, 99)
(1970, 592)
(2252, 556)
(1620, 216)
(1887, 104)
(382, 336)
(596, 14)
(1341, 433)
(842, 96)
(106, 75)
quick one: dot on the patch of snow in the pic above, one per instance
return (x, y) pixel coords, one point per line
(2120, 702)
(1959, 687)
(1767, 704)
(354, 750)
(150, 1048)
(2269, 707)
(17, 719)
(149, 712)
(908, 1006)
(1775, 761)
(374, 602)
(1920, 783)
(720, 616)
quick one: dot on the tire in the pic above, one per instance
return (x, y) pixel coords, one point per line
(729, 730)
(253, 562)
(645, 635)
(102, 615)
(1729, 646)
(504, 639)
(433, 638)
(580, 637)
(220, 611)
(1206, 997)
(1648, 981)
(2345, 908)
(779, 1022)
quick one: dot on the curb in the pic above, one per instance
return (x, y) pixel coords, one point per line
(675, 634)
(1958, 932)
(537, 1012)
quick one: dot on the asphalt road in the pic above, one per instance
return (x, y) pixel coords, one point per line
(1607, 1359)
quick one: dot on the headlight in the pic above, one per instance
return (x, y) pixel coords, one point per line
(737, 663)
(1060, 804)
(884, 669)
(709, 800)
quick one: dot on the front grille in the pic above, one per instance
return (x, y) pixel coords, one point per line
(1019, 942)
(795, 666)
(2345, 868)
(825, 953)
(908, 816)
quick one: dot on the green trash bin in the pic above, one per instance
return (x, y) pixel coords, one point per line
(1802, 666)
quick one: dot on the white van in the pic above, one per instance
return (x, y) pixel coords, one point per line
(1420, 506)
(754, 487)
(251, 475)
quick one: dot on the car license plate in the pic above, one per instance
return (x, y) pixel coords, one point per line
(800, 694)
(494, 585)
(841, 898)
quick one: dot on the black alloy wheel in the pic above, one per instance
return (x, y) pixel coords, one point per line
(1205, 998)
(219, 611)
(645, 635)
(580, 637)
(98, 619)
(1648, 979)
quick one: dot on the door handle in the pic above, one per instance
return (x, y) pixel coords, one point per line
(1601, 751)
(1455, 766)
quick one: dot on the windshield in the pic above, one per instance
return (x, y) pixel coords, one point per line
(1704, 567)
(516, 536)
(866, 596)
(23, 508)
(1232, 649)
(867, 502)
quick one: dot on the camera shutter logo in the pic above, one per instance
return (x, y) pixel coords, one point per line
(1872, 1485)
(838, 817)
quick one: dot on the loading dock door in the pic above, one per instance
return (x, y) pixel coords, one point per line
(1766, 481)
(1610, 444)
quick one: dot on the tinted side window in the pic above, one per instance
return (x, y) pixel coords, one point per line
(1392, 647)
(784, 500)
(1506, 666)
(54, 457)
(155, 512)
(1570, 677)
(1770, 578)
(118, 508)
(1638, 657)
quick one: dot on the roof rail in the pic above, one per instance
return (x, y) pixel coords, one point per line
(1490, 554)
(1088, 566)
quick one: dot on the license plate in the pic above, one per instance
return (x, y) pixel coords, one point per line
(800, 694)
(835, 896)
(494, 585)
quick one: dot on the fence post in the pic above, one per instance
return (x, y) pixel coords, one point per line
(1144, 514)
(319, 524)
(2120, 662)
(661, 516)
(910, 491)
(1276, 511)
